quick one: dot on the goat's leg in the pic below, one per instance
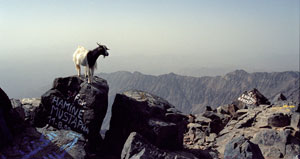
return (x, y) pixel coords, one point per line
(92, 73)
(89, 75)
(78, 70)
(86, 71)
(92, 70)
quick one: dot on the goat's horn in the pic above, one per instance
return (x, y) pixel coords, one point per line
(98, 44)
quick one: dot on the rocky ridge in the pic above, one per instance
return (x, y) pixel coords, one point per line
(192, 94)
(260, 130)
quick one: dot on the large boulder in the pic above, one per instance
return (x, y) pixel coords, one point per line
(279, 120)
(151, 116)
(279, 98)
(74, 104)
(137, 147)
(25, 108)
(295, 121)
(242, 148)
(251, 99)
(218, 121)
(271, 142)
(5, 124)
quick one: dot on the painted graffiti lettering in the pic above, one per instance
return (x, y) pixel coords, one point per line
(65, 115)
(60, 103)
(248, 99)
(79, 100)
(80, 114)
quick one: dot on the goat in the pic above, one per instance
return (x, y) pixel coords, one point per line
(88, 59)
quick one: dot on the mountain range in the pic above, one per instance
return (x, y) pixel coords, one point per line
(192, 94)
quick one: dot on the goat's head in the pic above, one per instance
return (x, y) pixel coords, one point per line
(102, 49)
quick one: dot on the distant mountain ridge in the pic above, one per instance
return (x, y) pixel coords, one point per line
(192, 94)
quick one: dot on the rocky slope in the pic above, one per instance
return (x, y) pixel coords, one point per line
(145, 126)
(251, 130)
(66, 121)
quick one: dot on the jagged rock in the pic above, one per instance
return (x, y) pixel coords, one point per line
(11, 123)
(244, 125)
(242, 148)
(245, 122)
(298, 108)
(195, 135)
(279, 97)
(292, 149)
(208, 108)
(250, 99)
(6, 135)
(137, 147)
(26, 108)
(45, 143)
(223, 109)
(191, 118)
(241, 112)
(35, 102)
(202, 120)
(211, 137)
(271, 142)
(269, 114)
(218, 121)
(254, 124)
(137, 111)
(295, 121)
(18, 109)
(73, 104)
(232, 110)
(15, 103)
(279, 120)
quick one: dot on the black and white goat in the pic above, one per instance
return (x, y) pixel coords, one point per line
(88, 59)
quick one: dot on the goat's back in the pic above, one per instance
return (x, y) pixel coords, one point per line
(79, 55)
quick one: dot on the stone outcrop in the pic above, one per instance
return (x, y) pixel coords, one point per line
(271, 142)
(255, 131)
(73, 104)
(137, 147)
(151, 116)
(6, 125)
(279, 97)
(279, 120)
(26, 108)
(83, 104)
(241, 148)
(250, 99)
(46, 142)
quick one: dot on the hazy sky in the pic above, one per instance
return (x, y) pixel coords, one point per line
(39, 37)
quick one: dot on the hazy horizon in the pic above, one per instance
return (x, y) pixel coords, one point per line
(38, 38)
